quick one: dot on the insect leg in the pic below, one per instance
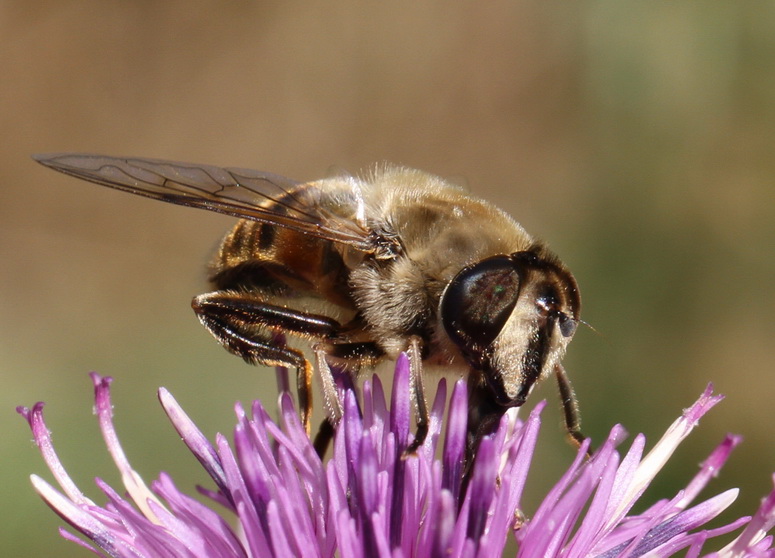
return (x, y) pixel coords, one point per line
(236, 320)
(331, 401)
(418, 394)
(323, 437)
(246, 313)
(570, 406)
(362, 353)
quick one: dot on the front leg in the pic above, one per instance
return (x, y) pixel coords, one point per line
(570, 408)
(244, 325)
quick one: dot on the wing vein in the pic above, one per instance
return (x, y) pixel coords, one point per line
(241, 193)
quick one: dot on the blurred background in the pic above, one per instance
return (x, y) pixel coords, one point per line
(636, 138)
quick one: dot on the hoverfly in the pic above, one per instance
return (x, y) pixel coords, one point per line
(365, 268)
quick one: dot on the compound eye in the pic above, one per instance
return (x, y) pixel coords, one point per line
(478, 302)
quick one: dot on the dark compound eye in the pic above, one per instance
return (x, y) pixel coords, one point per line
(478, 302)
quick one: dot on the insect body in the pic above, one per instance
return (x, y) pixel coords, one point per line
(366, 268)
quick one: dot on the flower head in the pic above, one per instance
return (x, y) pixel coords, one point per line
(370, 499)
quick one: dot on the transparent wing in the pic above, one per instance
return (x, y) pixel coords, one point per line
(246, 194)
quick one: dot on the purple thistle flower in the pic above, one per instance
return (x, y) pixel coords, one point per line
(369, 499)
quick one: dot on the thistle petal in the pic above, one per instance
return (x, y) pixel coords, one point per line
(370, 499)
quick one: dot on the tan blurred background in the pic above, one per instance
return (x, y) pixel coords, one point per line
(637, 138)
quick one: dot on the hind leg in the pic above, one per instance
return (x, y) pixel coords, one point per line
(236, 320)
